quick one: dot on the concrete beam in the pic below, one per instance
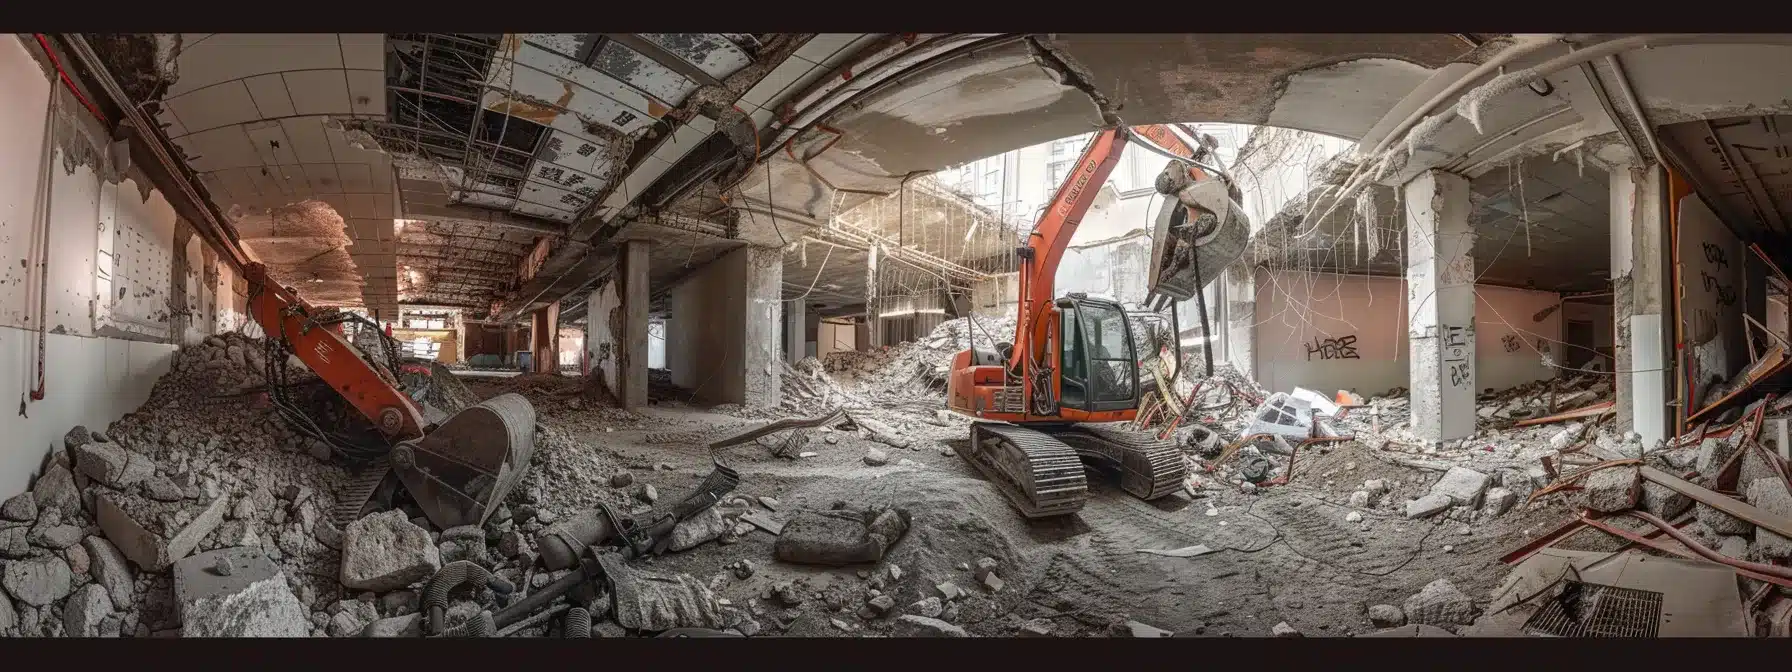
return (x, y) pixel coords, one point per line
(1440, 280)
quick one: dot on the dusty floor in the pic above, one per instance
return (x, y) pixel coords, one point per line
(1284, 553)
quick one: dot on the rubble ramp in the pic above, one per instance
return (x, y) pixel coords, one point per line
(1040, 475)
(1149, 468)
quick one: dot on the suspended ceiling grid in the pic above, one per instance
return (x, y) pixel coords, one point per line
(258, 117)
(458, 264)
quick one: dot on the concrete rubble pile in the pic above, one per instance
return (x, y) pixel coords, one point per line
(915, 369)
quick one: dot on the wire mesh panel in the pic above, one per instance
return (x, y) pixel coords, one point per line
(1598, 611)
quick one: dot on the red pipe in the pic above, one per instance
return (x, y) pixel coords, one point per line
(91, 108)
(1782, 573)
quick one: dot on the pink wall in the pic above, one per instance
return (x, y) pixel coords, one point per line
(1329, 332)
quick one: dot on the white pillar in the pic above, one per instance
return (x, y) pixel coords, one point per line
(1440, 281)
(1643, 359)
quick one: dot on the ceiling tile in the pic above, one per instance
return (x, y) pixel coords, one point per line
(265, 183)
(174, 127)
(269, 92)
(363, 51)
(643, 73)
(577, 153)
(270, 143)
(774, 82)
(710, 52)
(571, 45)
(242, 188)
(361, 206)
(227, 56)
(216, 106)
(292, 182)
(214, 185)
(823, 46)
(336, 200)
(319, 91)
(220, 148)
(367, 91)
(308, 139)
(551, 195)
(543, 212)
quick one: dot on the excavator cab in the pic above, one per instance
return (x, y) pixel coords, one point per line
(1098, 368)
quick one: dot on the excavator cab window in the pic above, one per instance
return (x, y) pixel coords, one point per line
(1111, 369)
(1073, 365)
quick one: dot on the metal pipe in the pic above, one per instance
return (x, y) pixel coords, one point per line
(213, 223)
(1636, 106)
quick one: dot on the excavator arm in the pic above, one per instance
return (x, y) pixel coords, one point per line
(283, 315)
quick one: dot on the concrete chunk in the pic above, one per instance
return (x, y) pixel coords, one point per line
(410, 625)
(14, 542)
(21, 508)
(1440, 603)
(1463, 486)
(1722, 523)
(252, 600)
(38, 582)
(82, 614)
(56, 537)
(1769, 494)
(9, 617)
(55, 489)
(1663, 501)
(1427, 506)
(911, 625)
(1713, 453)
(1386, 616)
(698, 530)
(386, 552)
(1611, 490)
(1500, 500)
(150, 550)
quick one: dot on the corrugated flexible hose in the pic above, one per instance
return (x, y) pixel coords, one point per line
(577, 624)
(453, 575)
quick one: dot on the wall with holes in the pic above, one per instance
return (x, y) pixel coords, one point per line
(1711, 303)
(97, 304)
(1330, 332)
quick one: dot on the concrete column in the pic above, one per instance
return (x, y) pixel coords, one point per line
(632, 346)
(722, 342)
(544, 339)
(1440, 281)
(1238, 317)
(796, 322)
(1640, 269)
(874, 324)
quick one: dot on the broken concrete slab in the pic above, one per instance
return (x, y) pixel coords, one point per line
(1440, 603)
(1427, 506)
(1283, 629)
(82, 614)
(250, 599)
(1713, 454)
(109, 569)
(1722, 523)
(1611, 490)
(151, 550)
(9, 617)
(113, 465)
(385, 551)
(38, 582)
(1770, 494)
(910, 625)
(1463, 486)
(840, 537)
(1145, 631)
(56, 537)
(15, 542)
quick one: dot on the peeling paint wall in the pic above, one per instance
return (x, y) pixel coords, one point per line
(1711, 306)
(107, 232)
(603, 331)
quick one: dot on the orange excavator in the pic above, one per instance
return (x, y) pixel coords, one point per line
(457, 468)
(1057, 395)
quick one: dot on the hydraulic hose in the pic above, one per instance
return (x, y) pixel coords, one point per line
(454, 575)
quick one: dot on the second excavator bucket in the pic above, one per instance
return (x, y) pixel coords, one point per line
(1200, 223)
(460, 472)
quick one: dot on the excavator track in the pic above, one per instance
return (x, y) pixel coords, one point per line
(1149, 468)
(1038, 474)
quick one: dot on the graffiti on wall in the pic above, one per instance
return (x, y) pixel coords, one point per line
(1342, 347)
(1511, 342)
(1456, 357)
(1726, 294)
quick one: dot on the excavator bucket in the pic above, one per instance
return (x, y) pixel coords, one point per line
(460, 472)
(1201, 224)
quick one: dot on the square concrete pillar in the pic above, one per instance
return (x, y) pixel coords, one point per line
(796, 323)
(631, 361)
(544, 339)
(1440, 281)
(722, 341)
(1640, 275)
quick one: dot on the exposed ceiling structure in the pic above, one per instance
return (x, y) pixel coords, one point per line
(260, 118)
(1744, 166)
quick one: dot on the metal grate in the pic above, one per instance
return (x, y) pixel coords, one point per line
(1605, 611)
